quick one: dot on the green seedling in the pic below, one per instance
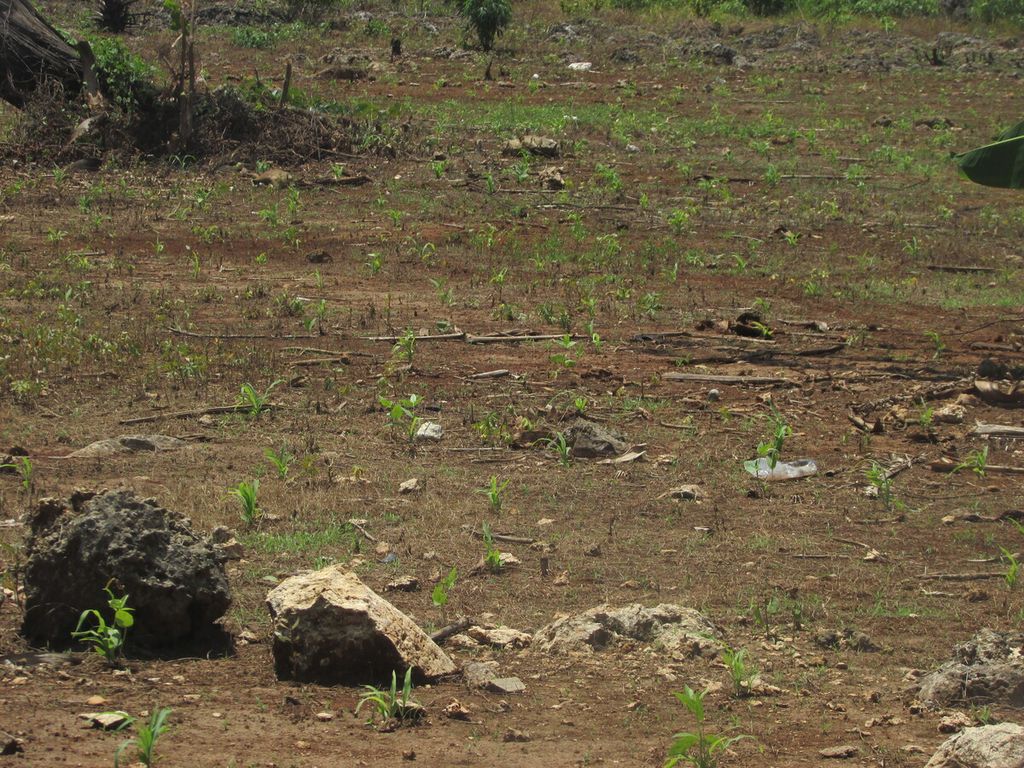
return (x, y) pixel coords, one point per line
(23, 466)
(741, 673)
(439, 595)
(493, 491)
(281, 461)
(937, 342)
(771, 449)
(881, 481)
(144, 743)
(246, 495)
(492, 555)
(374, 263)
(976, 461)
(763, 612)
(561, 447)
(251, 401)
(107, 640)
(405, 346)
(1012, 568)
(390, 705)
(400, 413)
(699, 748)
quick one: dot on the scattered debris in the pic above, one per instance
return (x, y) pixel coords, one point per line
(590, 440)
(456, 710)
(329, 627)
(403, 584)
(839, 753)
(684, 493)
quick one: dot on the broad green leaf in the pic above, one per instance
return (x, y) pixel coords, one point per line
(1000, 164)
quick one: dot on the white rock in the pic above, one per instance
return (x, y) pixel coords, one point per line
(990, 746)
(329, 627)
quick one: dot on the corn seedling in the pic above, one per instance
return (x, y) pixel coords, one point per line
(741, 673)
(390, 704)
(700, 748)
(492, 555)
(107, 640)
(493, 491)
(374, 263)
(937, 343)
(976, 461)
(1012, 568)
(772, 448)
(246, 495)
(560, 446)
(881, 481)
(23, 466)
(439, 595)
(144, 743)
(281, 461)
(252, 401)
(405, 346)
(763, 611)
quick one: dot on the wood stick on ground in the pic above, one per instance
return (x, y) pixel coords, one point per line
(197, 335)
(212, 410)
(726, 379)
(960, 576)
(452, 629)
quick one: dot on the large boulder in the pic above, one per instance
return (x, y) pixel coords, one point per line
(331, 628)
(990, 746)
(675, 630)
(988, 668)
(173, 578)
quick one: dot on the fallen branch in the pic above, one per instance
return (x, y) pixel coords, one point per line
(197, 335)
(212, 410)
(502, 537)
(452, 629)
(997, 430)
(533, 337)
(429, 337)
(960, 576)
(725, 379)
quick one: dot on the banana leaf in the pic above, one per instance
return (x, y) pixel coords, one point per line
(1000, 164)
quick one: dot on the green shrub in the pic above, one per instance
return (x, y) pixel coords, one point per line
(997, 10)
(487, 18)
(123, 77)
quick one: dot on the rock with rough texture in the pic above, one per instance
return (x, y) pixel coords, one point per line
(990, 746)
(173, 578)
(988, 668)
(330, 628)
(590, 440)
(499, 637)
(541, 146)
(678, 631)
(128, 444)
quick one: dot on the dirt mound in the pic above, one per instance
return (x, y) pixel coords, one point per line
(172, 576)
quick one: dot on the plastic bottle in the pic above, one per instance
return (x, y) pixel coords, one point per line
(783, 470)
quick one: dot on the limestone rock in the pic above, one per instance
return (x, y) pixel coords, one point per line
(499, 637)
(989, 668)
(173, 577)
(678, 631)
(990, 746)
(128, 444)
(590, 440)
(329, 627)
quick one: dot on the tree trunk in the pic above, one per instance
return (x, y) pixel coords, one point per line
(31, 53)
